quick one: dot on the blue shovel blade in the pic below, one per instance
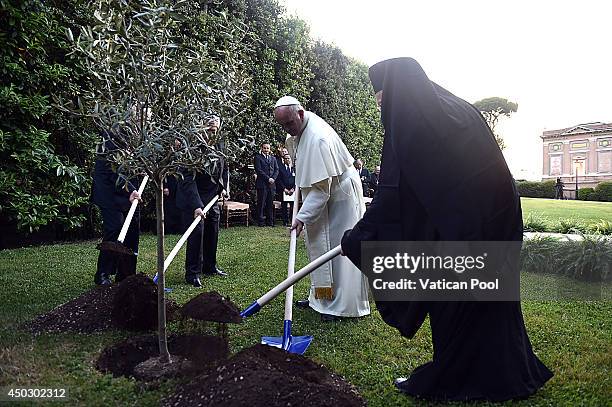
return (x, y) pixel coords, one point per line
(295, 344)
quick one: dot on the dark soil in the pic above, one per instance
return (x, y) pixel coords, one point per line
(266, 376)
(211, 306)
(92, 311)
(135, 304)
(122, 358)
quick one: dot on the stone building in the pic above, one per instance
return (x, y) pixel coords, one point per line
(584, 149)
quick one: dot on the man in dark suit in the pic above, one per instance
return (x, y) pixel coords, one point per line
(113, 194)
(192, 195)
(374, 179)
(266, 169)
(364, 174)
(173, 223)
(286, 184)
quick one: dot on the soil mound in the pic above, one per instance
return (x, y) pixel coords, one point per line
(266, 376)
(93, 311)
(85, 314)
(121, 359)
(135, 304)
(212, 306)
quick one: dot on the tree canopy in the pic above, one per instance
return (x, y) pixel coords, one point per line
(492, 109)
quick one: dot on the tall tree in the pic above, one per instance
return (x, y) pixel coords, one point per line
(492, 109)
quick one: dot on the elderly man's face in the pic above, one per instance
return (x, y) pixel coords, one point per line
(377, 169)
(358, 164)
(265, 149)
(290, 120)
(287, 159)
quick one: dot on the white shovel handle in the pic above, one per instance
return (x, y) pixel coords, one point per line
(130, 215)
(291, 265)
(303, 272)
(185, 236)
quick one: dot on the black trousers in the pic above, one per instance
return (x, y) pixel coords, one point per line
(211, 239)
(265, 204)
(287, 211)
(110, 263)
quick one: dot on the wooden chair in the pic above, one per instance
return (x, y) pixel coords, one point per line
(231, 210)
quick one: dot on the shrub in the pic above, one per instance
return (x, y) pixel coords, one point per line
(534, 189)
(603, 227)
(587, 194)
(570, 226)
(587, 260)
(535, 223)
(604, 191)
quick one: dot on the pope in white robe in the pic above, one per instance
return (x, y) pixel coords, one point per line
(332, 202)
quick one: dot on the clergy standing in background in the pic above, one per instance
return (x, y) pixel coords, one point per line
(332, 202)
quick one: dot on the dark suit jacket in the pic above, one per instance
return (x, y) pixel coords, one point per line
(265, 169)
(193, 193)
(286, 179)
(109, 190)
(374, 181)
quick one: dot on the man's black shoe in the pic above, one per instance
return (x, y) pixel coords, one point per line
(217, 272)
(302, 303)
(329, 318)
(195, 281)
(102, 279)
(398, 383)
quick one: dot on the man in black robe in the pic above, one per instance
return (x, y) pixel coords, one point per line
(443, 178)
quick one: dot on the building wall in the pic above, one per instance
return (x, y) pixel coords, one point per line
(592, 151)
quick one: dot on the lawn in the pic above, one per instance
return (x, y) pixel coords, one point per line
(572, 338)
(553, 210)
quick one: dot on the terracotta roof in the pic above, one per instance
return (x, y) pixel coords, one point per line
(585, 128)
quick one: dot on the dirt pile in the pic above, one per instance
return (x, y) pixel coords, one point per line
(204, 351)
(266, 376)
(135, 304)
(212, 306)
(131, 304)
(91, 312)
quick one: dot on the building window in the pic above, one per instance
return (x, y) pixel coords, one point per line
(556, 165)
(555, 147)
(604, 161)
(605, 143)
(579, 145)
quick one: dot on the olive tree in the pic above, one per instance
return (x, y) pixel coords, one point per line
(155, 84)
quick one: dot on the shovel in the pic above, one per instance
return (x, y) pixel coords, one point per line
(185, 236)
(292, 344)
(290, 281)
(118, 246)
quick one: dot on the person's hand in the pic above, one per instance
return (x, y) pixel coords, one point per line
(287, 191)
(298, 225)
(135, 195)
(166, 192)
(271, 181)
(198, 212)
(225, 195)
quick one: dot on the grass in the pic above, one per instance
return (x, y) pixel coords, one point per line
(572, 338)
(553, 210)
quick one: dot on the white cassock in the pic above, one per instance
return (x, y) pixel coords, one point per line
(332, 203)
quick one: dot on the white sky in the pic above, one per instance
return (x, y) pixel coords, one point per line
(553, 58)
